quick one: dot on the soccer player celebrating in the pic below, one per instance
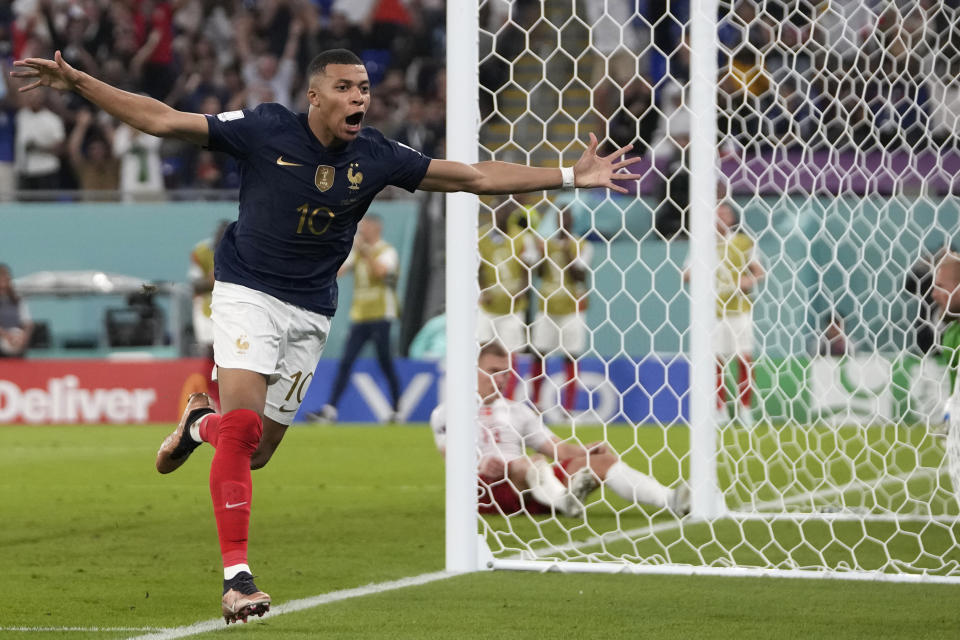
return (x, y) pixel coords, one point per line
(306, 181)
(946, 293)
(505, 471)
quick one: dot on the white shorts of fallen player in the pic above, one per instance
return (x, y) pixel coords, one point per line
(559, 335)
(733, 335)
(257, 332)
(509, 329)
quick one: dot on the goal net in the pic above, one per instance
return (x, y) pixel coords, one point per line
(754, 319)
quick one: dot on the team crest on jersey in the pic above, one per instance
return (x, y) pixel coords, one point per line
(242, 344)
(324, 177)
(355, 177)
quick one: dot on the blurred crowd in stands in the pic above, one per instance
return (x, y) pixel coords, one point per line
(848, 74)
(203, 56)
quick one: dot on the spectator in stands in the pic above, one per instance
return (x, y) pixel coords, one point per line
(39, 142)
(235, 88)
(338, 33)
(70, 34)
(267, 77)
(204, 80)
(618, 43)
(374, 263)
(141, 172)
(416, 131)
(16, 327)
(636, 121)
(153, 28)
(89, 148)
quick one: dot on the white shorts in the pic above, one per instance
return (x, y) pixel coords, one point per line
(733, 335)
(509, 329)
(257, 332)
(568, 333)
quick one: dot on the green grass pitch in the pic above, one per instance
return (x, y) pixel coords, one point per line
(92, 537)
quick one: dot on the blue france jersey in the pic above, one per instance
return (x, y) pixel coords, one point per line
(300, 202)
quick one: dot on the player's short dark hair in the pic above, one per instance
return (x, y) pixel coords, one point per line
(331, 56)
(494, 348)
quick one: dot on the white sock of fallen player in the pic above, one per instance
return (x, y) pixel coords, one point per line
(632, 485)
(548, 490)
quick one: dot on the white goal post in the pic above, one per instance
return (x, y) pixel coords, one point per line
(780, 370)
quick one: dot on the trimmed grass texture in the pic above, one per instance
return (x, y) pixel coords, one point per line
(92, 536)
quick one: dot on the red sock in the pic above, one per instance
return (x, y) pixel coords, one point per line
(570, 393)
(744, 388)
(536, 380)
(209, 428)
(230, 484)
(721, 388)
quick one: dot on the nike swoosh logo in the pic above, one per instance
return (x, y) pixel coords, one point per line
(284, 409)
(284, 163)
(236, 504)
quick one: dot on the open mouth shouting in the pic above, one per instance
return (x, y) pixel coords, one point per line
(353, 122)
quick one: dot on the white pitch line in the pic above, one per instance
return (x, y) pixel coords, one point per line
(619, 536)
(77, 629)
(299, 605)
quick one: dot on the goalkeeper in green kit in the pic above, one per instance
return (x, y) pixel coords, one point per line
(946, 293)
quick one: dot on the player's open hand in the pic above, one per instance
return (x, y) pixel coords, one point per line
(56, 73)
(592, 170)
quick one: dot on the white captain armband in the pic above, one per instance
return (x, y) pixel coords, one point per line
(227, 116)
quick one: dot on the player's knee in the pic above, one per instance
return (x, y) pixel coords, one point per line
(262, 455)
(260, 460)
(242, 425)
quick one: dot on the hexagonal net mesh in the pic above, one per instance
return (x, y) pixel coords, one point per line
(836, 178)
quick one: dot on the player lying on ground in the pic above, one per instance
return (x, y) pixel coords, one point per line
(306, 181)
(505, 471)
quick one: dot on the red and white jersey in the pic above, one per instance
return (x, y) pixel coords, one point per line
(507, 429)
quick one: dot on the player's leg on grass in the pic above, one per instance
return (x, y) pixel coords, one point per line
(629, 483)
(243, 395)
(273, 433)
(536, 475)
(178, 446)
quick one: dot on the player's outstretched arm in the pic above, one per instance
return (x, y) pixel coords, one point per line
(140, 112)
(489, 178)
